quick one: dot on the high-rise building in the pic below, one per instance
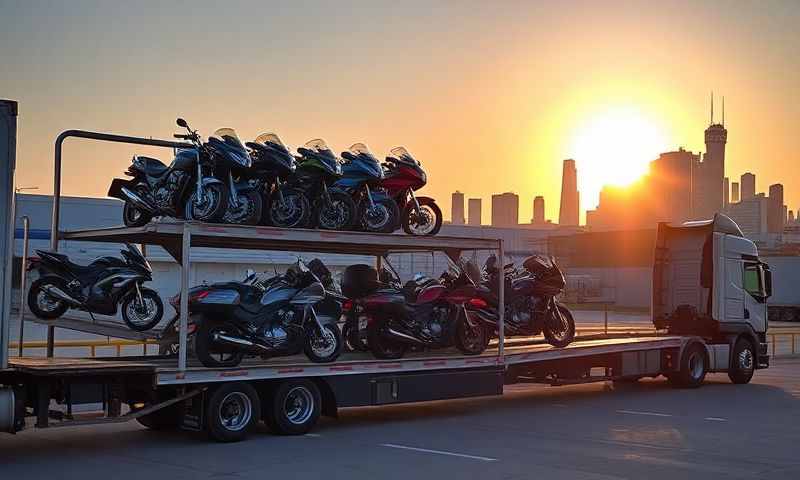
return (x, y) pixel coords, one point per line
(790, 220)
(708, 176)
(505, 210)
(569, 212)
(748, 186)
(751, 215)
(726, 192)
(538, 210)
(474, 205)
(457, 210)
(776, 216)
(734, 192)
(669, 196)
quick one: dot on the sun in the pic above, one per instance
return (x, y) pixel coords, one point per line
(614, 147)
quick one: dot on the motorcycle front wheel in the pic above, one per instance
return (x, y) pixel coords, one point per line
(248, 212)
(144, 315)
(211, 354)
(288, 208)
(381, 217)
(323, 348)
(471, 340)
(339, 214)
(212, 205)
(426, 221)
(559, 328)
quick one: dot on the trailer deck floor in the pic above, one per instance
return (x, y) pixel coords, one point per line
(166, 369)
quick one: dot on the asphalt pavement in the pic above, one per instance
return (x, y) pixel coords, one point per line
(594, 431)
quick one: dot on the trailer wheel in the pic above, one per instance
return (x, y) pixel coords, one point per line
(293, 408)
(743, 362)
(231, 412)
(694, 367)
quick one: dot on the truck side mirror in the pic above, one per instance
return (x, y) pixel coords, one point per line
(767, 281)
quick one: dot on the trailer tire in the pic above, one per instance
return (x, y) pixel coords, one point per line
(231, 412)
(743, 361)
(293, 407)
(694, 366)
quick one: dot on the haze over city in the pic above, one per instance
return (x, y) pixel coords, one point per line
(490, 97)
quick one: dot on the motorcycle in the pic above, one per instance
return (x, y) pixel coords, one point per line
(96, 288)
(402, 176)
(186, 187)
(436, 319)
(285, 206)
(274, 317)
(317, 170)
(377, 211)
(233, 164)
(530, 299)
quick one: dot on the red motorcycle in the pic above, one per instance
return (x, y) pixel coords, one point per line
(389, 320)
(402, 176)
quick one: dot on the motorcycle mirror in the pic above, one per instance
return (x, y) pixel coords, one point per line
(249, 273)
(182, 123)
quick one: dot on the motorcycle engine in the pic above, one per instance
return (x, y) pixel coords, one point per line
(276, 332)
(435, 325)
(164, 195)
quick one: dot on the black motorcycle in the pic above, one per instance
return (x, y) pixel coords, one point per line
(530, 300)
(95, 288)
(363, 174)
(273, 164)
(317, 170)
(276, 317)
(232, 164)
(187, 187)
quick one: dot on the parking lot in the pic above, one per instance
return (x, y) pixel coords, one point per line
(589, 431)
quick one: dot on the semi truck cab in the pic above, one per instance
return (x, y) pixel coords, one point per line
(708, 281)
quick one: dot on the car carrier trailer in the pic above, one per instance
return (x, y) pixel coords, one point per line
(290, 393)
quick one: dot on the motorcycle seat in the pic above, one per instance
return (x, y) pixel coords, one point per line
(153, 166)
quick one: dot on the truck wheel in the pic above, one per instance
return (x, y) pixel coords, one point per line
(743, 362)
(293, 408)
(694, 367)
(231, 412)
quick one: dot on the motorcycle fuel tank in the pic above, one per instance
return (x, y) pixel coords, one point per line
(279, 294)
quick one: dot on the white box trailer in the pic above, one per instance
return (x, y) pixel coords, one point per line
(290, 393)
(784, 304)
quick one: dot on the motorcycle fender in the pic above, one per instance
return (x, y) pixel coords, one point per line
(430, 199)
(115, 190)
(210, 180)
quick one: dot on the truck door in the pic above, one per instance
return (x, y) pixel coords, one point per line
(755, 298)
(734, 292)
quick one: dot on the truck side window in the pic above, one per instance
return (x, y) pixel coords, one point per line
(752, 280)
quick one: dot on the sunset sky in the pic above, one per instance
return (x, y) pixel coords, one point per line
(490, 96)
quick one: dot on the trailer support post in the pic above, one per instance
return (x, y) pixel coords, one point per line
(8, 159)
(186, 242)
(501, 305)
(23, 280)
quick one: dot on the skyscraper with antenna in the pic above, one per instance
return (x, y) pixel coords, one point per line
(708, 189)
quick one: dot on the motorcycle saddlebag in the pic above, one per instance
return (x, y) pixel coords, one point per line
(359, 281)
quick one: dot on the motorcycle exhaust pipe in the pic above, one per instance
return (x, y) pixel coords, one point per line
(56, 292)
(137, 200)
(239, 342)
(403, 337)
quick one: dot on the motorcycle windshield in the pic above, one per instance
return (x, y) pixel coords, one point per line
(366, 161)
(137, 257)
(228, 142)
(324, 154)
(270, 138)
(402, 154)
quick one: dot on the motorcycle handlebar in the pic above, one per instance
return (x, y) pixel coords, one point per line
(181, 136)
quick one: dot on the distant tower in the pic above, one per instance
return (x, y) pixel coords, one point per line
(538, 210)
(735, 192)
(568, 213)
(776, 213)
(474, 205)
(505, 210)
(790, 220)
(457, 211)
(726, 192)
(713, 170)
(748, 186)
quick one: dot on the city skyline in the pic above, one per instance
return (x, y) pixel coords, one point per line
(427, 89)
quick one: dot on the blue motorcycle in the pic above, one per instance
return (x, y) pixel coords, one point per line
(362, 178)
